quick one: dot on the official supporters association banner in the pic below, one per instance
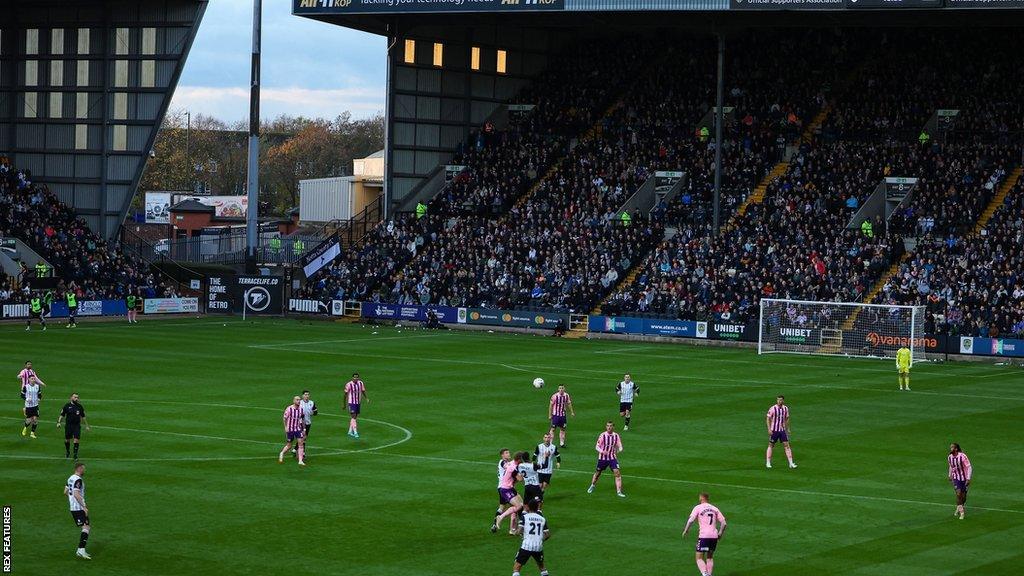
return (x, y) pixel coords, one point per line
(170, 305)
(516, 318)
(310, 7)
(8, 245)
(408, 312)
(310, 306)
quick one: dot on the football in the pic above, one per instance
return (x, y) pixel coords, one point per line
(538, 382)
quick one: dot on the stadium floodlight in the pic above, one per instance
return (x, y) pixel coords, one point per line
(840, 329)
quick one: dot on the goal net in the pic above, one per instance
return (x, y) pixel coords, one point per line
(840, 328)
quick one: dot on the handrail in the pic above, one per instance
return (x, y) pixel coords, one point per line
(125, 231)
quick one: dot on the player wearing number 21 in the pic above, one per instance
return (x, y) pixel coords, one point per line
(710, 527)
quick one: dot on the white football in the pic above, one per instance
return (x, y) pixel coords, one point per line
(538, 382)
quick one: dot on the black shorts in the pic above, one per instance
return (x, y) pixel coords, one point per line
(31, 411)
(308, 426)
(80, 517)
(534, 493)
(623, 406)
(544, 478)
(72, 311)
(36, 315)
(523, 556)
(73, 432)
(707, 544)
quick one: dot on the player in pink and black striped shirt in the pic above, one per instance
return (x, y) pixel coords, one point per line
(294, 431)
(608, 446)
(777, 420)
(556, 413)
(355, 393)
(26, 375)
(960, 473)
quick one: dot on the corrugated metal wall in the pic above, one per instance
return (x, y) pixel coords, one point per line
(435, 108)
(63, 74)
(325, 199)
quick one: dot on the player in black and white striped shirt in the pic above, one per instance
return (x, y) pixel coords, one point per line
(527, 474)
(535, 532)
(75, 491)
(547, 456)
(626, 390)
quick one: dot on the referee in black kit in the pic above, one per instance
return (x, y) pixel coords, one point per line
(74, 414)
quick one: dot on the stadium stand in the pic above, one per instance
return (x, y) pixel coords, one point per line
(972, 284)
(93, 267)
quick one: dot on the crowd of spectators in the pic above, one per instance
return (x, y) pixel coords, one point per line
(894, 97)
(566, 101)
(970, 284)
(366, 271)
(94, 268)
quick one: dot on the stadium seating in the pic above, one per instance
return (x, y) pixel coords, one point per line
(95, 268)
(973, 284)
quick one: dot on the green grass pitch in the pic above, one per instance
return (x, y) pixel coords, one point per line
(182, 475)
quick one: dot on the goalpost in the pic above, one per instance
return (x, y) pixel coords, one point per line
(840, 328)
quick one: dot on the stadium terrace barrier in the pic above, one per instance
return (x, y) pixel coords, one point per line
(170, 306)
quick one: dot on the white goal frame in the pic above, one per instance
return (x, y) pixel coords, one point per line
(851, 329)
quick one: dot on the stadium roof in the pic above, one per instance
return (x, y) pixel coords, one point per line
(380, 16)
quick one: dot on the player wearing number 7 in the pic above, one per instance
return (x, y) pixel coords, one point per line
(706, 515)
(777, 420)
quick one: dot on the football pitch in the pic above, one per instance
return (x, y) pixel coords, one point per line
(182, 474)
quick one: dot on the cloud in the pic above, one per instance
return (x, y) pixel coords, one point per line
(232, 103)
(309, 67)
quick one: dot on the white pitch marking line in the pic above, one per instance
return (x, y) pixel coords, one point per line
(363, 339)
(707, 381)
(516, 368)
(407, 435)
(626, 352)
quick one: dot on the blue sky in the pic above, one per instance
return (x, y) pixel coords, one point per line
(309, 68)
